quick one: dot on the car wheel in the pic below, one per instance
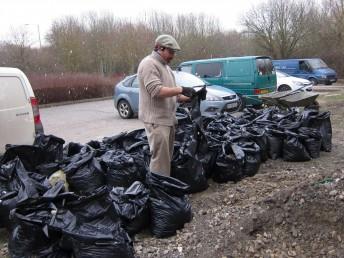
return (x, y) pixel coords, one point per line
(328, 83)
(284, 87)
(124, 109)
(314, 81)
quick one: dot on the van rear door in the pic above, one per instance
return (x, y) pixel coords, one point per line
(265, 76)
(16, 115)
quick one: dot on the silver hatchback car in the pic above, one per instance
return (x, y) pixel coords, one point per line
(219, 99)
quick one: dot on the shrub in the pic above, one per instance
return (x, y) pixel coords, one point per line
(52, 88)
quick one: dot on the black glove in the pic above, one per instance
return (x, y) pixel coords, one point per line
(188, 92)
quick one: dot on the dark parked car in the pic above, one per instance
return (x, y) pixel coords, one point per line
(219, 99)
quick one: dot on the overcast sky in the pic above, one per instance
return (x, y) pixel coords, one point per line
(17, 13)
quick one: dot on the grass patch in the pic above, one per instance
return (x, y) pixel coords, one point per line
(331, 98)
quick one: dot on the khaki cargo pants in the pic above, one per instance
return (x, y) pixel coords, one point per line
(161, 140)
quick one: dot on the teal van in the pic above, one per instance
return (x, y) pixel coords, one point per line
(248, 76)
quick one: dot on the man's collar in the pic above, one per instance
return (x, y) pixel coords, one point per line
(158, 57)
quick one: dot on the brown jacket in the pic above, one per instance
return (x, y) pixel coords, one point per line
(153, 73)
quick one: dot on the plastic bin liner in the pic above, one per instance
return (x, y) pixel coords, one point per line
(190, 171)
(323, 122)
(275, 143)
(312, 142)
(293, 149)
(252, 158)
(91, 206)
(258, 135)
(29, 240)
(229, 163)
(84, 173)
(169, 206)
(131, 205)
(17, 186)
(123, 169)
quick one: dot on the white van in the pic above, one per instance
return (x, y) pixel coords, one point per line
(19, 114)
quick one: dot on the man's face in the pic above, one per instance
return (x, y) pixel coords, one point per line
(167, 54)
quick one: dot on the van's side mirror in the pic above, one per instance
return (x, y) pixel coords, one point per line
(179, 68)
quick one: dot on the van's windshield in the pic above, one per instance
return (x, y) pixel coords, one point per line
(317, 63)
(264, 66)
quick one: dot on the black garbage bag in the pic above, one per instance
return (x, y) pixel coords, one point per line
(190, 171)
(131, 205)
(31, 156)
(118, 248)
(252, 158)
(312, 141)
(43, 157)
(99, 147)
(122, 169)
(52, 147)
(293, 149)
(92, 206)
(125, 139)
(100, 238)
(259, 136)
(275, 143)
(229, 163)
(84, 173)
(169, 206)
(18, 186)
(323, 122)
(71, 149)
(29, 240)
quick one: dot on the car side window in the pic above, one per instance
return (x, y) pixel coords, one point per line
(209, 70)
(13, 89)
(304, 66)
(186, 68)
(127, 82)
(135, 83)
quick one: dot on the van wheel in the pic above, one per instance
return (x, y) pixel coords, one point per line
(124, 109)
(314, 81)
(284, 87)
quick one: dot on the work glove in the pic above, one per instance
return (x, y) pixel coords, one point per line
(188, 92)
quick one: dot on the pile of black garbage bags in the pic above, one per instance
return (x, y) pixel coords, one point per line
(89, 200)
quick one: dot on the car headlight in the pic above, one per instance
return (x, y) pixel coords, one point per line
(211, 97)
(298, 83)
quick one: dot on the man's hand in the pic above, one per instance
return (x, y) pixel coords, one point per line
(188, 91)
(183, 99)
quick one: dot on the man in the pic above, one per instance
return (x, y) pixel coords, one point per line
(157, 102)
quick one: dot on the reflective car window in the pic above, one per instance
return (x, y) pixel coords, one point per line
(186, 68)
(264, 66)
(188, 80)
(135, 83)
(209, 70)
(127, 82)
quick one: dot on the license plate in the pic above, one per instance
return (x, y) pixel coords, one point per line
(264, 91)
(232, 105)
(333, 80)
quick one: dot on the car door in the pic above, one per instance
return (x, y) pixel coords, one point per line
(16, 115)
(134, 94)
(304, 70)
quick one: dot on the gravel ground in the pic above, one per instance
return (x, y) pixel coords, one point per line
(288, 209)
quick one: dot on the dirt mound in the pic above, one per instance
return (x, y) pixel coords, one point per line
(303, 221)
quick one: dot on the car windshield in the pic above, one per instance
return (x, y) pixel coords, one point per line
(317, 63)
(281, 74)
(188, 80)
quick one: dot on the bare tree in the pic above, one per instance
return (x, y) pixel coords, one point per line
(279, 25)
